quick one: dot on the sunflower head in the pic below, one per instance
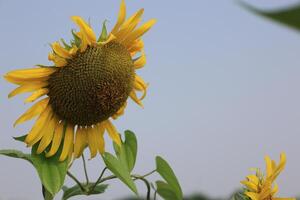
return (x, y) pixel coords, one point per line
(263, 187)
(88, 86)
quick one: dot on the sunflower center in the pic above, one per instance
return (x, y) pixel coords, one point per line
(93, 85)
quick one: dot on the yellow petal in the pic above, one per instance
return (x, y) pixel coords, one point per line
(57, 138)
(60, 51)
(85, 29)
(84, 42)
(35, 110)
(136, 46)
(47, 137)
(39, 124)
(100, 138)
(31, 73)
(80, 142)
(138, 33)
(120, 111)
(140, 62)
(68, 142)
(121, 17)
(269, 167)
(134, 97)
(22, 81)
(92, 141)
(252, 195)
(27, 88)
(276, 198)
(58, 61)
(37, 94)
(73, 50)
(251, 186)
(254, 179)
(129, 25)
(140, 85)
(112, 132)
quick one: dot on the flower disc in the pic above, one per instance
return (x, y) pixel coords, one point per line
(93, 85)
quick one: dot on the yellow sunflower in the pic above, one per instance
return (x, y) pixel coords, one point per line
(260, 187)
(88, 86)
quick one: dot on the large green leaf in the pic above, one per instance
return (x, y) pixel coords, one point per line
(76, 191)
(130, 149)
(127, 152)
(287, 16)
(117, 167)
(166, 191)
(16, 154)
(51, 171)
(164, 169)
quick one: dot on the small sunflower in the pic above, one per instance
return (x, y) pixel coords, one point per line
(88, 86)
(260, 187)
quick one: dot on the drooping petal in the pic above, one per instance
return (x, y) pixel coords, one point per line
(140, 85)
(120, 111)
(27, 88)
(140, 62)
(252, 195)
(92, 141)
(80, 142)
(121, 17)
(47, 134)
(136, 46)
(35, 110)
(57, 138)
(68, 142)
(134, 97)
(100, 138)
(112, 132)
(39, 124)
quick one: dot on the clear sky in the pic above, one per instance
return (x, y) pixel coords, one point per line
(224, 90)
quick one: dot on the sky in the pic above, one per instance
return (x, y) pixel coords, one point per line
(223, 93)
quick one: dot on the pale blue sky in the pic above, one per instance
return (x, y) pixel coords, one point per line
(224, 90)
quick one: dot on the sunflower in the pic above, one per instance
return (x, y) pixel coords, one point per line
(260, 187)
(88, 86)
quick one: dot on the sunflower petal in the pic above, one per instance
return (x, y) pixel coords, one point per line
(112, 132)
(38, 126)
(80, 142)
(57, 138)
(100, 138)
(37, 94)
(47, 132)
(60, 51)
(58, 61)
(85, 29)
(120, 111)
(35, 110)
(31, 73)
(140, 62)
(121, 17)
(27, 88)
(68, 142)
(134, 97)
(138, 33)
(92, 141)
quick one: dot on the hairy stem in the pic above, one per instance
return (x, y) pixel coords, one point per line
(76, 180)
(85, 170)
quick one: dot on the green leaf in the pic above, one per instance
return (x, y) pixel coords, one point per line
(20, 138)
(130, 149)
(103, 36)
(51, 171)
(166, 191)
(77, 40)
(68, 47)
(287, 16)
(16, 154)
(118, 168)
(164, 169)
(47, 195)
(75, 191)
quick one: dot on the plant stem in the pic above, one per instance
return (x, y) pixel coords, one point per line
(146, 183)
(75, 179)
(85, 170)
(99, 179)
(148, 174)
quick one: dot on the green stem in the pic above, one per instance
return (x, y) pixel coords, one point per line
(146, 183)
(99, 179)
(77, 181)
(148, 174)
(85, 170)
